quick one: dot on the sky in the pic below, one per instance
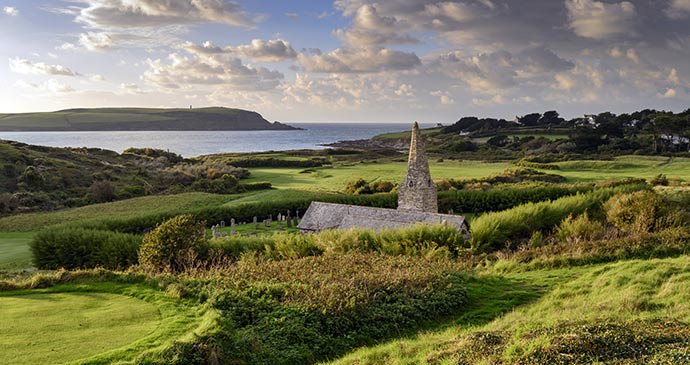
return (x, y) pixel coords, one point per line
(348, 60)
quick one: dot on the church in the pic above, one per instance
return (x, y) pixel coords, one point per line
(417, 203)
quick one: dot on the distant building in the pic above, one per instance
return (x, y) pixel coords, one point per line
(417, 203)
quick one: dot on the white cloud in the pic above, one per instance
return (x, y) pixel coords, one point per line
(11, 11)
(130, 88)
(632, 55)
(274, 50)
(51, 86)
(564, 82)
(267, 51)
(348, 60)
(678, 9)
(109, 14)
(292, 16)
(371, 29)
(67, 46)
(599, 20)
(209, 70)
(23, 66)
(670, 93)
(93, 41)
(405, 90)
(444, 97)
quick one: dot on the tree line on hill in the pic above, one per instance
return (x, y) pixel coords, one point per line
(647, 131)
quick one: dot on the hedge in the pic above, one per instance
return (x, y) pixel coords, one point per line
(79, 248)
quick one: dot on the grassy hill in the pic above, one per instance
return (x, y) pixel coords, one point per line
(111, 119)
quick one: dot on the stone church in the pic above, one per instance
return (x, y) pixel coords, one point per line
(417, 202)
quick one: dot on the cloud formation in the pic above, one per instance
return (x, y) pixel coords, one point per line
(358, 60)
(109, 14)
(186, 72)
(259, 50)
(23, 66)
(371, 29)
(678, 9)
(11, 11)
(599, 20)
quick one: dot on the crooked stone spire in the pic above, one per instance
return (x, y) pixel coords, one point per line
(417, 191)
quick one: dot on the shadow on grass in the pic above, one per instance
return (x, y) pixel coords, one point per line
(490, 296)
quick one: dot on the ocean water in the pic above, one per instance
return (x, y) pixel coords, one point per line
(196, 143)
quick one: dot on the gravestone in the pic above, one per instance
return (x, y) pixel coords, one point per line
(256, 223)
(222, 224)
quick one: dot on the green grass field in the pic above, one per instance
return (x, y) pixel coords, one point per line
(96, 323)
(14, 250)
(88, 324)
(625, 166)
(119, 209)
(335, 178)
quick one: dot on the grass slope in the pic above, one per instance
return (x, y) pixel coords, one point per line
(108, 119)
(625, 166)
(87, 323)
(14, 250)
(94, 319)
(119, 209)
(581, 308)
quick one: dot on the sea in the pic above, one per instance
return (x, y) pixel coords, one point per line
(196, 143)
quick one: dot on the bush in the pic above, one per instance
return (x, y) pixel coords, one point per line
(580, 228)
(102, 191)
(660, 179)
(491, 231)
(169, 246)
(317, 308)
(361, 186)
(75, 248)
(636, 212)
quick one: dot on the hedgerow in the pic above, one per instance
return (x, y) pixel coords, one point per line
(458, 201)
(439, 240)
(75, 248)
(491, 231)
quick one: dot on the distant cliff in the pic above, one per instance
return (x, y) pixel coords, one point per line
(140, 119)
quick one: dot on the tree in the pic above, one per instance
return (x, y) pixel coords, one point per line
(171, 243)
(530, 119)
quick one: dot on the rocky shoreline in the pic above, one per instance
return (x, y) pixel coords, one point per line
(371, 144)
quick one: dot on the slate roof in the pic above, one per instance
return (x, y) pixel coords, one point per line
(322, 216)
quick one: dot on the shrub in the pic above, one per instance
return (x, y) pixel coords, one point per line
(102, 191)
(361, 186)
(358, 186)
(580, 228)
(660, 179)
(74, 248)
(311, 309)
(636, 212)
(170, 244)
(491, 231)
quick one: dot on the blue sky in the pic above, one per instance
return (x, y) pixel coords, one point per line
(348, 60)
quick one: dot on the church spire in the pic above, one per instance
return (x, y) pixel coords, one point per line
(417, 191)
